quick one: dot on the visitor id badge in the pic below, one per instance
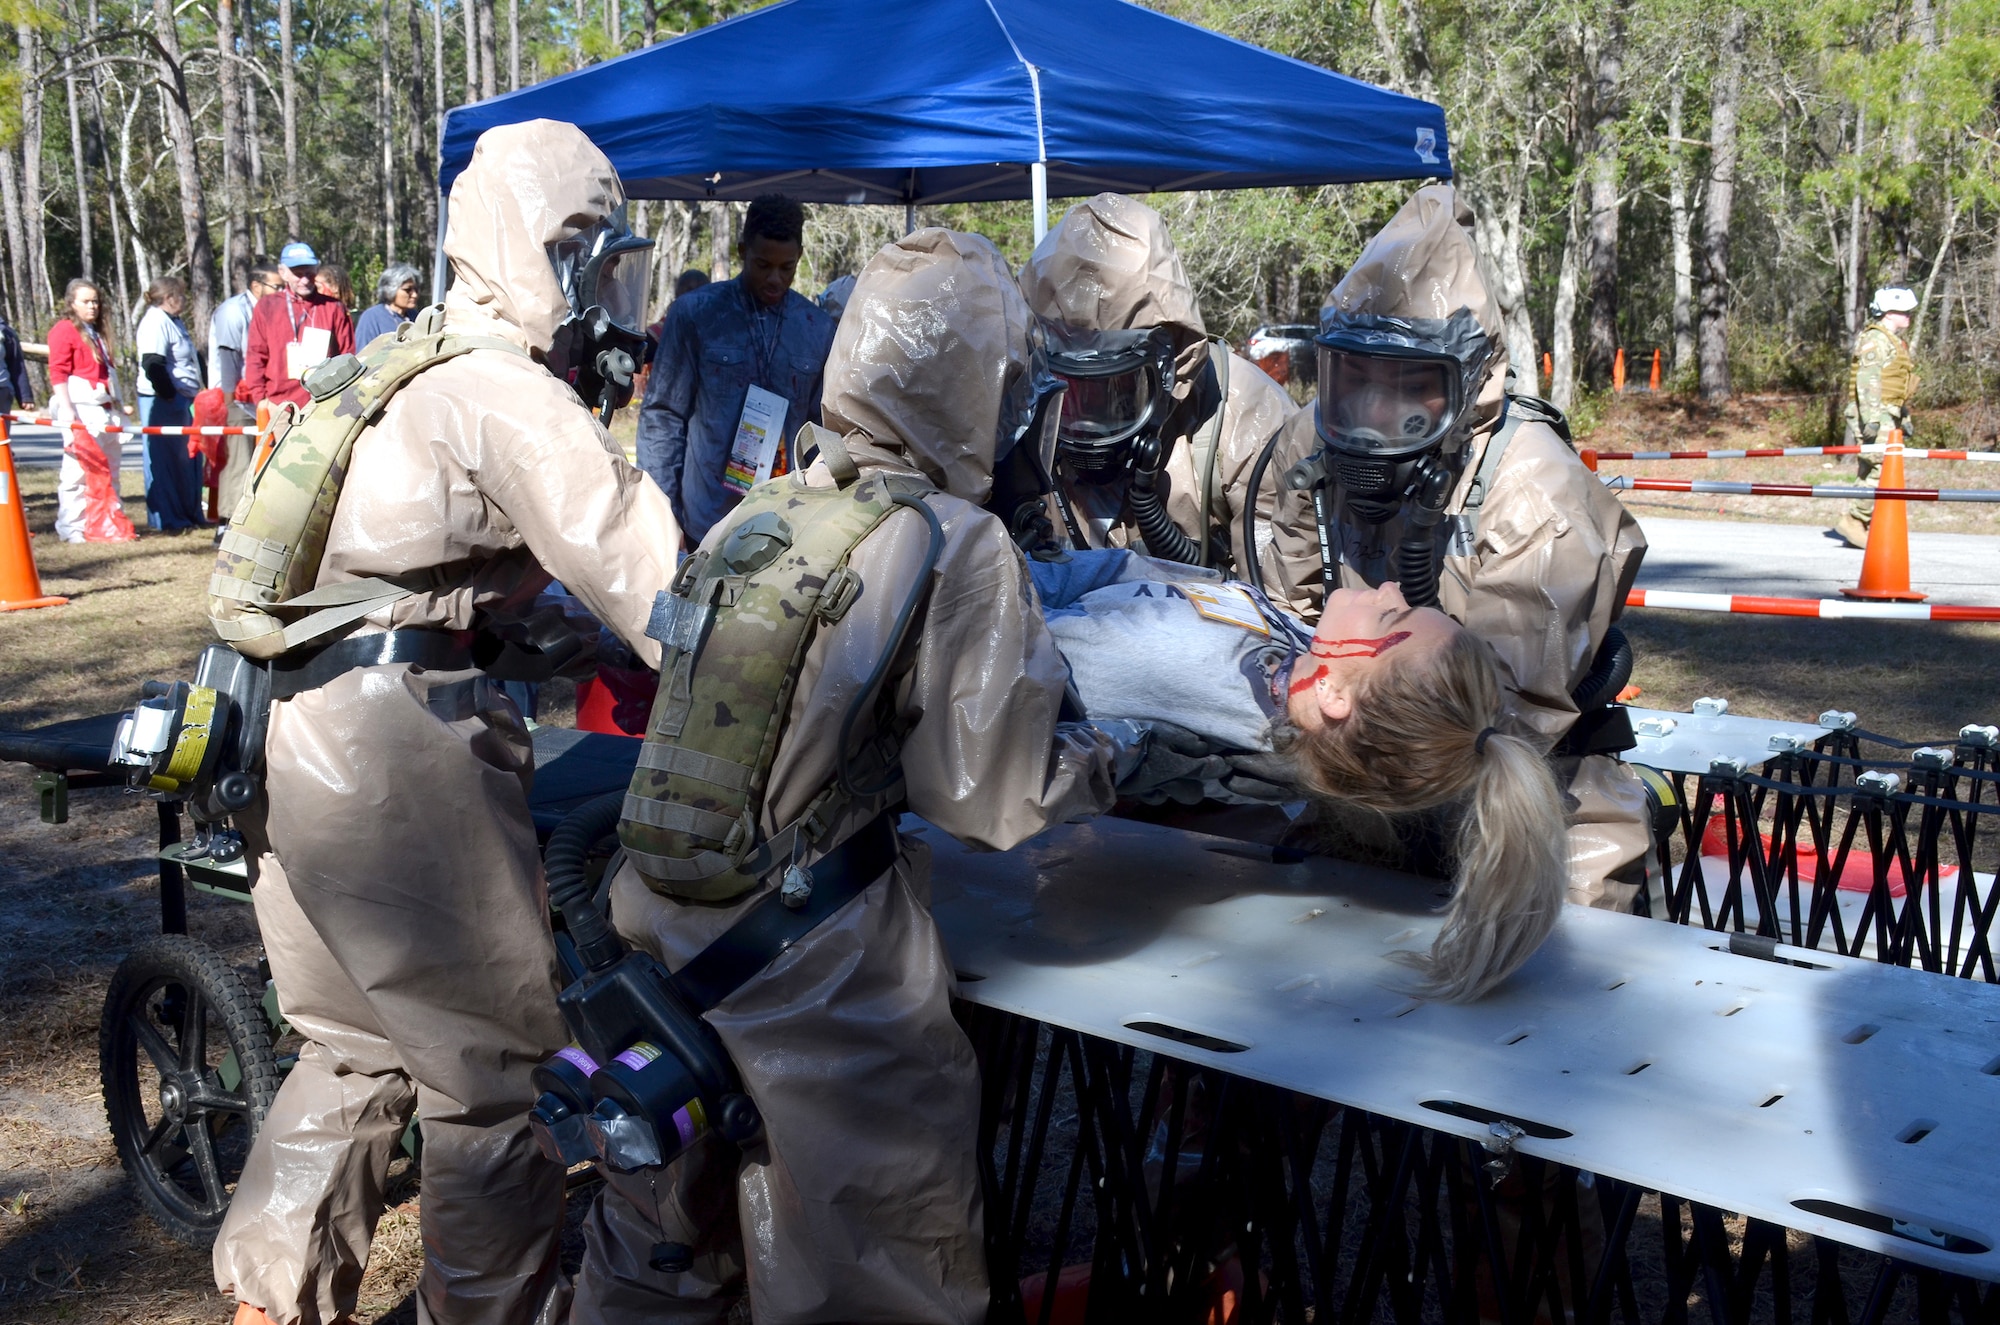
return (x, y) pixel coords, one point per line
(1228, 604)
(307, 352)
(758, 432)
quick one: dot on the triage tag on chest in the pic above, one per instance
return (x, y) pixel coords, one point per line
(1227, 604)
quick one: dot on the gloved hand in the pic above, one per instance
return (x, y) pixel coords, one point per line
(1128, 746)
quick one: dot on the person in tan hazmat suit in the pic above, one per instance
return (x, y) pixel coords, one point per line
(861, 1200)
(1433, 477)
(1160, 426)
(397, 883)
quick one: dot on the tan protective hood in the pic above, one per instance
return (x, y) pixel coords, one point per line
(1423, 263)
(931, 360)
(1111, 266)
(527, 186)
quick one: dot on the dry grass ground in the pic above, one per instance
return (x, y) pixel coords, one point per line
(74, 1246)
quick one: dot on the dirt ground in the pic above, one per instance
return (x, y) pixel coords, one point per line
(74, 1246)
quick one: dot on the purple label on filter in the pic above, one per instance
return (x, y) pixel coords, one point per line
(638, 1055)
(577, 1059)
(686, 1124)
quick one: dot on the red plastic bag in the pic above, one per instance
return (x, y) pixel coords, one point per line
(211, 410)
(103, 514)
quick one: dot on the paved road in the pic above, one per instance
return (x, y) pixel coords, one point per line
(36, 448)
(1802, 561)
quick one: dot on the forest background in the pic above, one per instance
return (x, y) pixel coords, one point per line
(1724, 181)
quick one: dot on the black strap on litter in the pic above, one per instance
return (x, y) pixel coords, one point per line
(771, 927)
(436, 650)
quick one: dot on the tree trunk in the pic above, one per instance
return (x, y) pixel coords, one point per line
(260, 237)
(614, 25)
(1607, 108)
(419, 146)
(385, 115)
(235, 160)
(489, 72)
(142, 261)
(1714, 328)
(1562, 322)
(1855, 220)
(82, 176)
(187, 168)
(471, 10)
(718, 240)
(288, 89)
(1498, 230)
(513, 45)
(1937, 265)
(1680, 229)
(652, 12)
(43, 293)
(21, 308)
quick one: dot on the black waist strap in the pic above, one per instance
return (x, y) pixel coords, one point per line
(436, 650)
(771, 926)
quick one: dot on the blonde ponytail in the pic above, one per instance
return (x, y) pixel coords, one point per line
(1420, 736)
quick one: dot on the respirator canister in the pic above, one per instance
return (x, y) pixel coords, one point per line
(648, 1109)
(562, 1101)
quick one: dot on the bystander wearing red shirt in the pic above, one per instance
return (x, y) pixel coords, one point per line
(277, 321)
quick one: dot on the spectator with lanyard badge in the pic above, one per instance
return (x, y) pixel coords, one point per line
(293, 330)
(737, 373)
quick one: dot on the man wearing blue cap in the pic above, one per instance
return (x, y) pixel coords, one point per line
(292, 330)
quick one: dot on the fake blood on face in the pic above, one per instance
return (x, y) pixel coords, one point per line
(1346, 648)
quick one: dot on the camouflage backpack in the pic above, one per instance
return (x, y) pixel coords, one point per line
(261, 599)
(735, 628)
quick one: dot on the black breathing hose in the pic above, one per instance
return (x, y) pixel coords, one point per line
(1164, 538)
(1416, 568)
(1254, 572)
(1608, 674)
(567, 864)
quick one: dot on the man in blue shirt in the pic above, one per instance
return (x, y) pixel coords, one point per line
(718, 342)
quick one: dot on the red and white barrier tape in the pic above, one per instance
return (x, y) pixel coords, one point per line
(1827, 609)
(45, 421)
(1840, 491)
(1779, 452)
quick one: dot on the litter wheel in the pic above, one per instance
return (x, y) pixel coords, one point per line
(184, 1054)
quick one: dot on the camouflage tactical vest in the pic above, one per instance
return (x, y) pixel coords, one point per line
(261, 599)
(734, 631)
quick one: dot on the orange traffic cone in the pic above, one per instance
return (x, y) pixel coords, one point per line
(1653, 382)
(20, 582)
(1885, 566)
(1618, 371)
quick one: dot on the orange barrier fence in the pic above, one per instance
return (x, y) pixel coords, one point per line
(1840, 491)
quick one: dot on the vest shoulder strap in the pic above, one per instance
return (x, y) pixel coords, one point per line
(734, 630)
(261, 596)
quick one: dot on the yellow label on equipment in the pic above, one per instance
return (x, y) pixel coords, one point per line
(192, 744)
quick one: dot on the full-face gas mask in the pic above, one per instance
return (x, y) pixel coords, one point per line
(1120, 390)
(1394, 403)
(603, 271)
(1395, 409)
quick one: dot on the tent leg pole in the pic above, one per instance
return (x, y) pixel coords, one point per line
(910, 217)
(438, 266)
(1038, 181)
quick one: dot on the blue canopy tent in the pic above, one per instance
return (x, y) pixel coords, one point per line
(887, 101)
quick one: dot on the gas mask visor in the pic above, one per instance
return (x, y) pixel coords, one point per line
(1117, 385)
(603, 270)
(605, 266)
(1394, 388)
